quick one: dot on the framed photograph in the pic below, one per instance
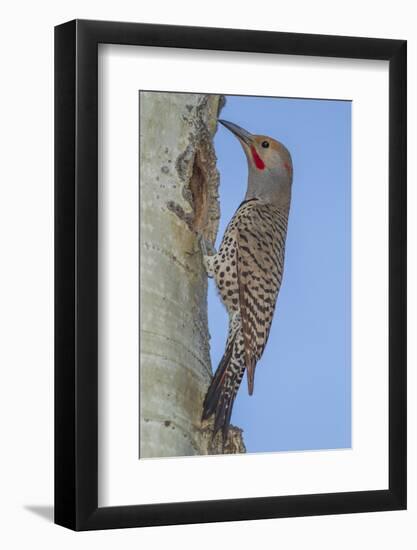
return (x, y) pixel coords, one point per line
(230, 255)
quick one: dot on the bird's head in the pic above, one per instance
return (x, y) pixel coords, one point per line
(269, 165)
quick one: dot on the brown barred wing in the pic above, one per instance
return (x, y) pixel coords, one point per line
(261, 231)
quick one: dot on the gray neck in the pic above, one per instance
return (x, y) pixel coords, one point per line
(269, 189)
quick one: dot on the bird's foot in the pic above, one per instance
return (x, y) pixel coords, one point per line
(207, 248)
(208, 251)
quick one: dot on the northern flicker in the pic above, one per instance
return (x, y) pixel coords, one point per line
(248, 269)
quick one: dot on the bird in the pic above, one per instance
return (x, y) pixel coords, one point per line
(248, 269)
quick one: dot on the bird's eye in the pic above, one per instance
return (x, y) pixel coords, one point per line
(265, 144)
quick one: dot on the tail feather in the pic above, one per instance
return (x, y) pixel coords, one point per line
(222, 391)
(213, 393)
(229, 398)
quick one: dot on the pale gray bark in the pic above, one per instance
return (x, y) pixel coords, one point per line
(178, 197)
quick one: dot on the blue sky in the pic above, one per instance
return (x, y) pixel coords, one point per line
(302, 397)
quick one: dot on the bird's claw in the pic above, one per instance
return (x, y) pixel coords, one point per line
(206, 246)
(207, 251)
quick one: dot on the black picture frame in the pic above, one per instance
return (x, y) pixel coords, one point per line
(76, 272)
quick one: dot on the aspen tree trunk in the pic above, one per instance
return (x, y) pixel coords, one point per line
(178, 198)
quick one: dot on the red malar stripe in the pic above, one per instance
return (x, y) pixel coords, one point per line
(259, 163)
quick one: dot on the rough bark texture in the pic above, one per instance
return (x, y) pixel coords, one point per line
(178, 198)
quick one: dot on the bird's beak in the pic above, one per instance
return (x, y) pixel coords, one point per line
(239, 132)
